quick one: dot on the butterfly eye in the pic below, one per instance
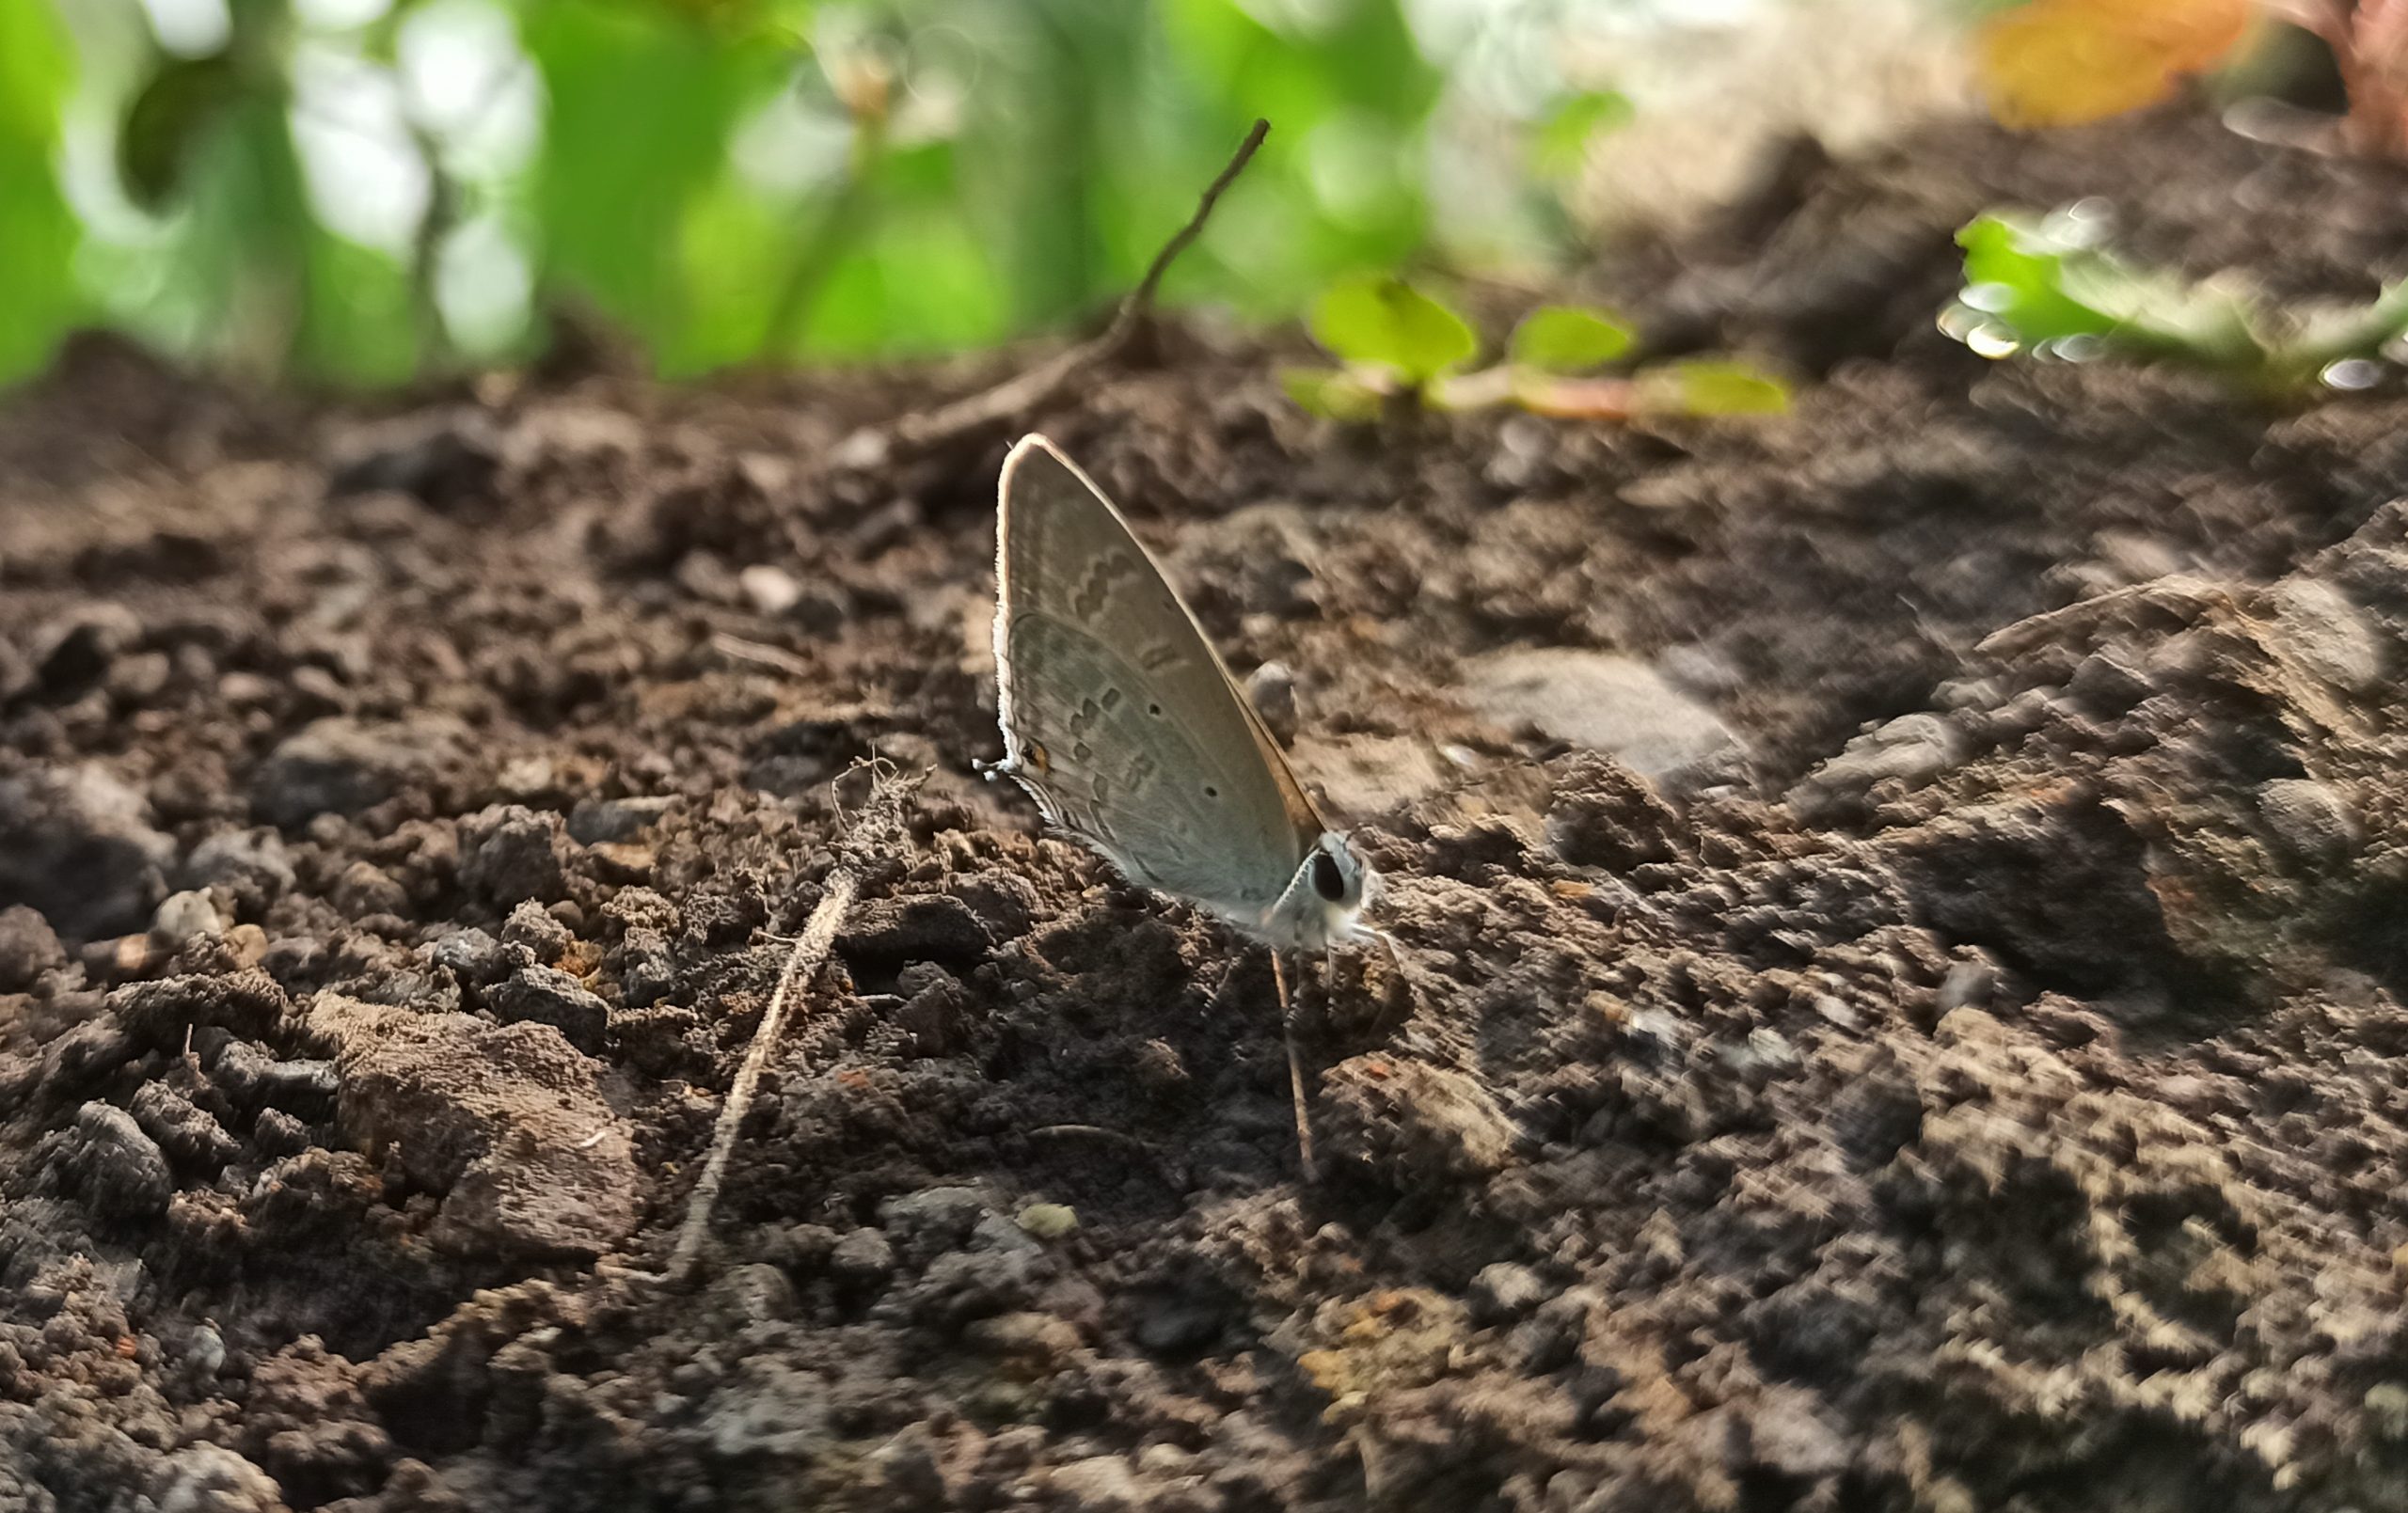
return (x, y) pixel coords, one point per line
(1327, 880)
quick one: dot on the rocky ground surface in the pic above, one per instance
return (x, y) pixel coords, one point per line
(1859, 1045)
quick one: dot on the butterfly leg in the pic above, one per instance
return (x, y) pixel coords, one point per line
(1295, 1067)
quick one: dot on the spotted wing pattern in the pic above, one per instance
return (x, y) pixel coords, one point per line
(1117, 716)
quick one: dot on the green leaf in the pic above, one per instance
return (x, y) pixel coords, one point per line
(1386, 322)
(1713, 388)
(181, 100)
(1560, 144)
(2027, 282)
(38, 231)
(1566, 339)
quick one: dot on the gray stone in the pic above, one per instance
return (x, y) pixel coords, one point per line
(28, 949)
(1785, 1435)
(1766, 1053)
(595, 821)
(1910, 749)
(769, 1411)
(2313, 821)
(1506, 1289)
(535, 932)
(934, 1219)
(472, 954)
(1099, 1484)
(78, 845)
(1271, 689)
(754, 1294)
(863, 1255)
(510, 853)
(278, 1133)
(209, 1478)
(1604, 702)
(2108, 685)
(119, 1171)
(341, 766)
(647, 968)
(2323, 632)
(365, 888)
(1968, 983)
(250, 867)
(546, 995)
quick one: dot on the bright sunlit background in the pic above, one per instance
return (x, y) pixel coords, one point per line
(367, 190)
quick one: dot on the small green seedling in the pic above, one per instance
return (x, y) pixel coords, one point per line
(2049, 288)
(1397, 344)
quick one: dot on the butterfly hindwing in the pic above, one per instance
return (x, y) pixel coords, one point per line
(1118, 715)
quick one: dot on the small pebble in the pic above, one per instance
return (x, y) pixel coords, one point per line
(863, 1255)
(1506, 1289)
(1048, 1221)
(1271, 689)
(183, 916)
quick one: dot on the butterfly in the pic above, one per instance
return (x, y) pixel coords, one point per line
(1125, 726)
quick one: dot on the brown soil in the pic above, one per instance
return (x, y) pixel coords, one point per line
(1959, 1078)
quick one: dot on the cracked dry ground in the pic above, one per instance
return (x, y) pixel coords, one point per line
(1917, 1072)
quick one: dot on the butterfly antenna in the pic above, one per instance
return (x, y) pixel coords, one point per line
(1295, 1069)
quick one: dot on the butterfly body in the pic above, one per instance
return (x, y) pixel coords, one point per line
(1125, 726)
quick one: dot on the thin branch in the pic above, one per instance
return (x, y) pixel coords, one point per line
(1024, 392)
(1295, 1072)
(737, 649)
(1142, 298)
(875, 832)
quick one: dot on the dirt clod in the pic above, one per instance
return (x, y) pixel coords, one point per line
(506, 1125)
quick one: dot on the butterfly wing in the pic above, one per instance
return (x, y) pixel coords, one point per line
(1118, 717)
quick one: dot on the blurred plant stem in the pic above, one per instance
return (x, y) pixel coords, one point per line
(266, 214)
(436, 353)
(867, 91)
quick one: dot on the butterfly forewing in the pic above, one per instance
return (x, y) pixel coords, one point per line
(1118, 716)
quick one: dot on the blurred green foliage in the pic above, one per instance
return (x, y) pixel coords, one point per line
(361, 192)
(1383, 321)
(36, 229)
(2051, 286)
(1397, 344)
(1565, 339)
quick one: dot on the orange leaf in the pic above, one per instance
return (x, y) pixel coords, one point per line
(2066, 62)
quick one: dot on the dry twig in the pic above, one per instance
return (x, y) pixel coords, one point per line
(1017, 396)
(873, 835)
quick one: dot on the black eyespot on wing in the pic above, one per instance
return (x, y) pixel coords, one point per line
(1211, 792)
(1327, 880)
